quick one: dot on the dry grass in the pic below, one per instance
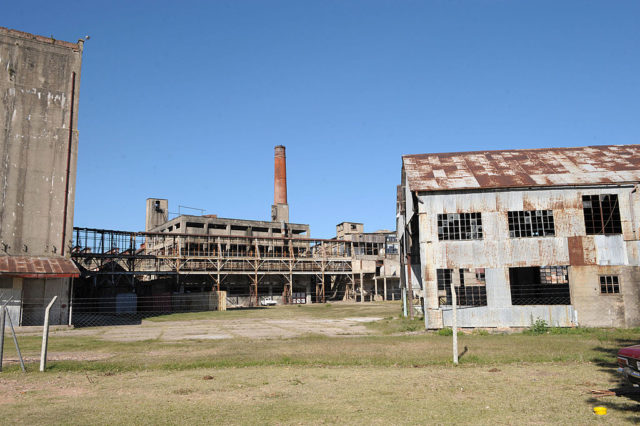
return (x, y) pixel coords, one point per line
(517, 393)
(388, 377)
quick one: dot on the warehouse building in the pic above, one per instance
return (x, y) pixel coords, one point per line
(521, 235)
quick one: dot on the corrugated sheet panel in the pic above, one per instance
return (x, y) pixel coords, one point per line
(523, 168)
(38, 267)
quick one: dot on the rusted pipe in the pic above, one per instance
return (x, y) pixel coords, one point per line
(68, 171)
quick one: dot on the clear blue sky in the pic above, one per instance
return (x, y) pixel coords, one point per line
(186, 100)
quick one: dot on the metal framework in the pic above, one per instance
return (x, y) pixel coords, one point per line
(123, 254)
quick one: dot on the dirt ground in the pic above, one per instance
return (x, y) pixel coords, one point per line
(225, 329)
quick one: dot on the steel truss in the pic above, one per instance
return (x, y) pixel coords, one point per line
(100, 252)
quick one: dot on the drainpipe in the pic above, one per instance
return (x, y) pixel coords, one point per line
(68, 171)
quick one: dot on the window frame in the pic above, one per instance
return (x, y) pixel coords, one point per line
(541, 222)
(595, 215)
(613, 285)
(459, 226)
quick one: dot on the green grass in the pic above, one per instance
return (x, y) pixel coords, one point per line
(326, 311)
(315, 350)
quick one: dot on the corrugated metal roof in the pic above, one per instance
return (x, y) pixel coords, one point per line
(604, 164)
(38, 267)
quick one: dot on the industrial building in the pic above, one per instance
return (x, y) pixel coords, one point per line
(376, 261)
(39, 88)
(176, 263)
(549, 234)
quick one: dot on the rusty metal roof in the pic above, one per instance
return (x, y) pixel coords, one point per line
(38, 267)
(606, 164)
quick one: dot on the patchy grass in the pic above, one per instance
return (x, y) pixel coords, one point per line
(512, 394)
(399, 374)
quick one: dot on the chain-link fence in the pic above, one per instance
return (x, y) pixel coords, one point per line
(129, 308)
(30, 311)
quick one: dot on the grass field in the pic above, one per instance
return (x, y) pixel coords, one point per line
(390, 373)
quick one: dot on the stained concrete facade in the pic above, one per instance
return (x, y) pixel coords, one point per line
(39, 89)
(497, 252)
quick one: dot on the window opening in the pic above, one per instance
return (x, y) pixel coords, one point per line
(601, 214)
(470, 291)
(460, 226)
(531, 223)
(609, 284)
(545, 285)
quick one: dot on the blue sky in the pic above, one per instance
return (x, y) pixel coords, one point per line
(186, 100)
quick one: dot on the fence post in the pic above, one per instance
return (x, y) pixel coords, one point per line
(454, 322)
(2, 316)
(15, 341)
(45, 335)
(1, 335)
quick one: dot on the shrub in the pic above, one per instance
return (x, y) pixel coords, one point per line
(539, 326)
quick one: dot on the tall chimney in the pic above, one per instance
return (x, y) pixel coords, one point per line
(280, 208)
(280, 176)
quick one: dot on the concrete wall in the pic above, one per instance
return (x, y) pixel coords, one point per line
(589, 256)
(39, 142)
(157, 212)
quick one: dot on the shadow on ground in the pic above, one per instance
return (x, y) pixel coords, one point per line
(627, 396)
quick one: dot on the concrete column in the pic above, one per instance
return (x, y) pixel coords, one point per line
(384, 280)
(361, 286)
(498, 289)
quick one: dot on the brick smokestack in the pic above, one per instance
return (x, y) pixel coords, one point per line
(280, 208)
(280, 176)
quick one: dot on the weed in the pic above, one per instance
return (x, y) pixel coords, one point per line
(447, 331)
(539, 326)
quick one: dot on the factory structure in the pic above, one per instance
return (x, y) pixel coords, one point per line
(521, 235)
(176, 264)
(190, 262)
(39, 88)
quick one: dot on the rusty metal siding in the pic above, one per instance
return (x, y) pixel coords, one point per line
(523, 168)
(610, 250)
(497, 252)
(576, 252)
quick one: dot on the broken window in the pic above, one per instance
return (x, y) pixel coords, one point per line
(539, 285)
(601, 214)
(470, 290)
(531, 223)
(460, 226)
(609, 284)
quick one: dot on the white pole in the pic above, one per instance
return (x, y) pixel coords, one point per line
(15, 342)
(454, 322)
(45, 335)
(3, 310)
(1, 335)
